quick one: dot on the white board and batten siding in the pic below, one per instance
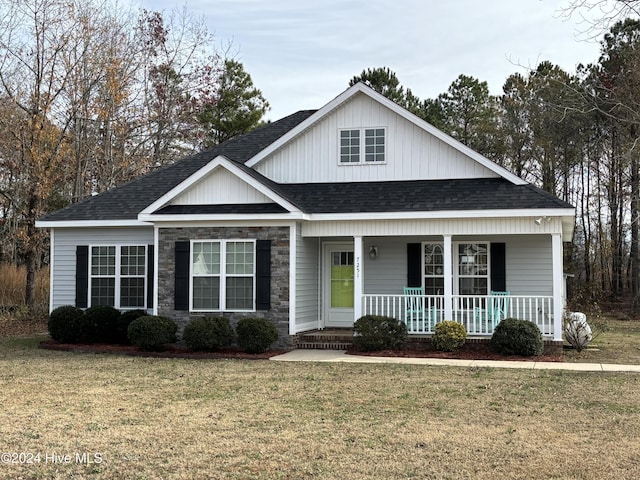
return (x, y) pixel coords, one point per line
(411, 152)
(220, 187)
(307, 283)
(64, 254)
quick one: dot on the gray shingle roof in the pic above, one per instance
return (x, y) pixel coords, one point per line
(126, 201)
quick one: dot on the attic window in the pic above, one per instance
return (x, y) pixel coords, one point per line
(374, 146)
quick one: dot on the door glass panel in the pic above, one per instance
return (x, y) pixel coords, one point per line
(342, 284)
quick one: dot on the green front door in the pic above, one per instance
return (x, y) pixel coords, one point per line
(339, 285)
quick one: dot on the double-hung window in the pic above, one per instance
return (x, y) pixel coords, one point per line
(473, 268)
(433, 268)
(118, 276)
(351, 146)
(223, 275)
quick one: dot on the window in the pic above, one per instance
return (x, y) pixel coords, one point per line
(118, 276)
(433, 269)
(223, 275)
(473, 268)
(374, 146)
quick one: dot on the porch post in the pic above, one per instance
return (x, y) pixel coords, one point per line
(558, 299)
(448, 278)
(358, 278)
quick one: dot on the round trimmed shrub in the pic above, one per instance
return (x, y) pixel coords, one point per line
(124, 321)
(151, 332)
(374, 333)
(100, 324)
(517, 337)
(255, 335)
(449, 336)
(64, 324)
(208, 333)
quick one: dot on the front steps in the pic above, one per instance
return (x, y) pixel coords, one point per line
(328, 339)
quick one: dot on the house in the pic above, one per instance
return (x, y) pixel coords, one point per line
(317, 219)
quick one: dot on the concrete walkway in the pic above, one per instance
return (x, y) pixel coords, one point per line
(341, 356)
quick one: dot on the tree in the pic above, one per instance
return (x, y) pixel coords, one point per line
(383, 81)
(234, 107)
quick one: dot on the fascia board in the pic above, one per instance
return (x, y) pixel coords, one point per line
(91, 223)
(442, 214)
(223, 162)
(361, 88)
(156, 218)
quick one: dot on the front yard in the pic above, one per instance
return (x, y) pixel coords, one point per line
(228, 419)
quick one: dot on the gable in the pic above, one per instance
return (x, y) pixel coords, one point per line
(411, 152)
(220, 187)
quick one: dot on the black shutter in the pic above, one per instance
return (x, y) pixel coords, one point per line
(263, 274)
(82, 275)
(414, 269)
(181, 289)
(150, 279)
(498, 268)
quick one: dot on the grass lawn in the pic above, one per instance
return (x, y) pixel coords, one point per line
(229, 419)
(618, 343)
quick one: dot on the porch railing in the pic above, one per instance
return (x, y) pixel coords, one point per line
(478, 313)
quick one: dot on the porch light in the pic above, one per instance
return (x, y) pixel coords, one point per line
(373, 252)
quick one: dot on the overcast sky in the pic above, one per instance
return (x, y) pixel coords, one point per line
(301, 53)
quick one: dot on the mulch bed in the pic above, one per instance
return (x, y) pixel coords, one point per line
(172, 351)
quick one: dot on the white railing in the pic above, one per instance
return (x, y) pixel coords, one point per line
(478, 313)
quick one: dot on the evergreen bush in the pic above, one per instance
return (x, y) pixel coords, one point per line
(151, 332)
(255, 335)
(374, 333)
(64, 324)
(517, 337)
(100, 324)
(449, 336)
(208, 334)
(124, 321)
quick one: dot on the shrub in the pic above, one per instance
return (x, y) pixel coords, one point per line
(151, 332)
(123, 325)
(64, 324)
(449, 336)
(208, 333)
(373, 333)
(100, 324)
(255, 335)
(517, 337)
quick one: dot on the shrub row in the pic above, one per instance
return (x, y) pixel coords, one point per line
(511, 336)
(68, 324)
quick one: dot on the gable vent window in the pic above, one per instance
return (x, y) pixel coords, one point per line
(351, 148)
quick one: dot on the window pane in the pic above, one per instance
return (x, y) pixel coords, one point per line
(473, 286)
(103, 260)
(103, 291)
(206, 293)
(434, 286)
(132, 261)
(206, 258)
(374, 141)
(239, 258)
(239, 295)
(350, 146)
(132, 293)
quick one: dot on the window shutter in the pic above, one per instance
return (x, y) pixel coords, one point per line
(150, 276)
(498, 268)
(181, 289)
(82, 275)
(414, 269)
(263, 274)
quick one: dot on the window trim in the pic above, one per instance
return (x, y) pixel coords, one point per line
(118, 275)
(223, 275)
(362, 146)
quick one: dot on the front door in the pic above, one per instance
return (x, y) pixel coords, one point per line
(339, 284)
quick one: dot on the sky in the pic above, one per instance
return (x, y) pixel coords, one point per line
(301, 54)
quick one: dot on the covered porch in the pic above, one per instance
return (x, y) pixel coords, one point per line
(474, 276)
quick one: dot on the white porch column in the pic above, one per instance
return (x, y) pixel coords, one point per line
(358, 277)
(558, 284)
(448, 278)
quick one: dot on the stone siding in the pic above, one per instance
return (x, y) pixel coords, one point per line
(278, 314)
